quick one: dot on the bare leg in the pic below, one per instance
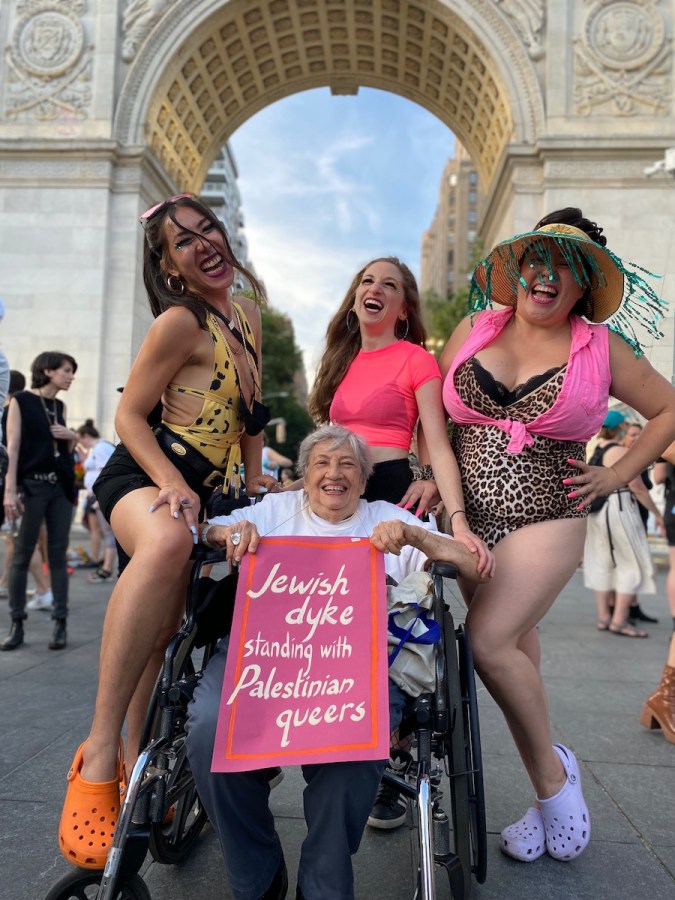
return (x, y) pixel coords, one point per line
(621, 614)
(142, 612)
(9, 553)
(533, 566)
(94, 537)
(138, 707)
(603, 601)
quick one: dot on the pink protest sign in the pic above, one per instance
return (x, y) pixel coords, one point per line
(306, 672)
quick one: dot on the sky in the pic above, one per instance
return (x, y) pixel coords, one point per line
(328, 183)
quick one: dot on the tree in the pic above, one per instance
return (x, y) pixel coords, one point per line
(284, 380)
(443, 316)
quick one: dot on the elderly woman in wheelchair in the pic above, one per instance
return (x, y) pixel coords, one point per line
(338, 797)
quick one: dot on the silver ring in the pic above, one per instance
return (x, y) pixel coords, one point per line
(236, 538)
(185, 502)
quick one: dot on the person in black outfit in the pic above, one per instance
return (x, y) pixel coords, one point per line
(39, 486)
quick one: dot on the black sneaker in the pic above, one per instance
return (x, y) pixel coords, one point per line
(389, 809)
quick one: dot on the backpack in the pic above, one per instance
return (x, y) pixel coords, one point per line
(596, 460)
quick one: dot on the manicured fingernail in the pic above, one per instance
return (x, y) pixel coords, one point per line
(176, 514)
(408, 504)
(152, 509)
(195, 539)
(571, 461)
(571, 495)
(419, 513)
(567, 481)
(580, 506)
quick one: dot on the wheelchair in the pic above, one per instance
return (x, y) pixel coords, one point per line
(447, 739)
(162, 813)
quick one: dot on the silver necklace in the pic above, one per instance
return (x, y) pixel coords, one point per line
(51, 420)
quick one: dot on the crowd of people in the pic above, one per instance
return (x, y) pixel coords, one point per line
(525, 381)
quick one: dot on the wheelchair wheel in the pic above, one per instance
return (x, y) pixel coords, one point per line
(474, 762)
(456, 751)
(81, 884)
(172, 839)
(184, 816)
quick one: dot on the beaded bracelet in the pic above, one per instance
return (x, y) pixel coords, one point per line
(424, 473)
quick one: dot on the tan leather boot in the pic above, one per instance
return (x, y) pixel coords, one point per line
(659, 710)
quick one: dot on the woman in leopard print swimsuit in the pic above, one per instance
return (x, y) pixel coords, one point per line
(526, 387)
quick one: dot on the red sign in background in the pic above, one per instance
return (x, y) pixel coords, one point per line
(306, 671)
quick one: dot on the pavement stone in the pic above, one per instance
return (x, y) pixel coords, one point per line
(596, 684)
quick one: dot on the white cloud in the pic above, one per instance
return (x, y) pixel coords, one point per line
(328, 183)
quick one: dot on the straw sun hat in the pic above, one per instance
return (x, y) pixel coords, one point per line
(613, 287)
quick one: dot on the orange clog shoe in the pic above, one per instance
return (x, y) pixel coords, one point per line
(90, 813)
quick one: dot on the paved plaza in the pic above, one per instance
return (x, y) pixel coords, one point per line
(596, 681)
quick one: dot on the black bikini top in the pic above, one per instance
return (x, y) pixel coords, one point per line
(500, 394)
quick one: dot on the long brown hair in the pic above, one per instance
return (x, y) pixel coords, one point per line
(156, 261)
(342, 345)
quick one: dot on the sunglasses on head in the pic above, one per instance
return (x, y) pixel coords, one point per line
(160, 207)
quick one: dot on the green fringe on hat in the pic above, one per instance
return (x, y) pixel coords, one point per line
(640, 304)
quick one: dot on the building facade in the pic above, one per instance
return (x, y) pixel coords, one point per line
(448, 246)
(220, 191)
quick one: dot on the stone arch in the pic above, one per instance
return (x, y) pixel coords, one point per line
(201, 75)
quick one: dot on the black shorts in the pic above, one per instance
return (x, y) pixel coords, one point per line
(389, 481)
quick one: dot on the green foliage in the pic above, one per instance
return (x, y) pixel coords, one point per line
(442, 315)
(282, 371)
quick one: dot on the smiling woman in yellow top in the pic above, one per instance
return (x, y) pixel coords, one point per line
(200, 359)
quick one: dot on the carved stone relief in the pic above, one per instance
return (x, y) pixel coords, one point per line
(622, 60)
(49, 62)
(138, 20)
(528, 18)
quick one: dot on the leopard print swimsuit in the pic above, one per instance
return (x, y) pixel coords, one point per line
(506, 491)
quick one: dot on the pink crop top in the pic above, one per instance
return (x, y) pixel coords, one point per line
(376, 398)
(581, 405)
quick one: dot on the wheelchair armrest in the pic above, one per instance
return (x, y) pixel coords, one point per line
(207, 554)
(444, 569)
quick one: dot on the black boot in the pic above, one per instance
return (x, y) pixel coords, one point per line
(637, 615)
(15, 637)
(58, 641)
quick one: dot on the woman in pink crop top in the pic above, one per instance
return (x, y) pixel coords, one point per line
(376, 379)
(526, 387)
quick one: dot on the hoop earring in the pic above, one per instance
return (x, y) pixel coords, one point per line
(407, 329)
(349, 322)
(178, 287)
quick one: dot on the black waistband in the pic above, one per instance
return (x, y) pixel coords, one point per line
(202, 467)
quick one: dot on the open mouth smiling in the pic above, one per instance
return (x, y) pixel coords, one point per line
(373, 305)
(334, 489)
(212, 264)
(544, 293)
